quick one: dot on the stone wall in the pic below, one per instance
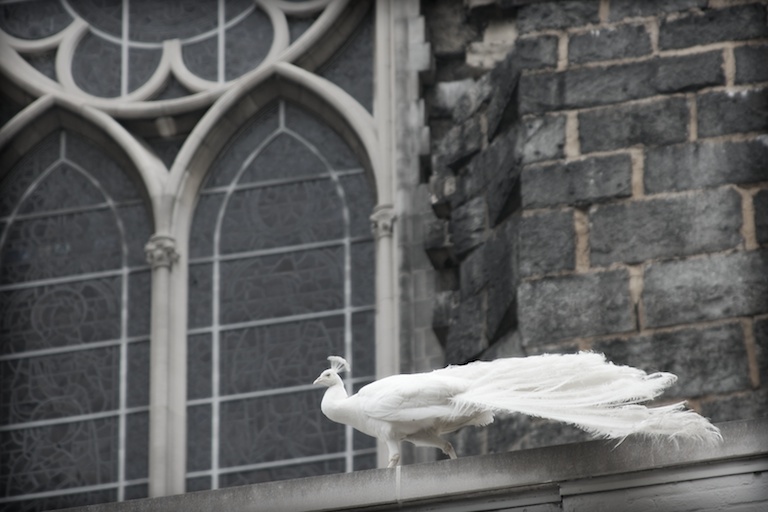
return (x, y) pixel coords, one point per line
(599, 178)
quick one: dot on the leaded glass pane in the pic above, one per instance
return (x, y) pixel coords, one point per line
(74, 321)
(199, 360)
(282, 215)
(243, 147)
(61, 456)
(59, 315)
(61, 385)
(352, 66)
(142, 63)
(277, 356)
(138, 374)
(34, 20)
(102, 80)
(247, 43)
(282, 285)
(137, 457)
(198, 437)
(280, 234)
(275, 428)
(333, 148)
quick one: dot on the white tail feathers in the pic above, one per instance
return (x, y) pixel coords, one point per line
(583, 390)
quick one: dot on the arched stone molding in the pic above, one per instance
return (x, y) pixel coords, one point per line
(50, 112)
(331, 29)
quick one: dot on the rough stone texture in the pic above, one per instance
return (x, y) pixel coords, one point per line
(709, 288)
(620, 9)
(750, 64)
(720, 113)
(761, 348)
(581, 182)
(444, 312)
(461, 141)
(745, 405)
(655, 123)
(705, 164)
(609, 43)
(468, 222)
(714, 25)
(449, 32)
(466, 339)
(709, 360)
(537, 52)
(544, 138)
(549, 15)
(557, 308)
(437, 244)
(760, 202)
(547, 242)
(493, 172)
(595, 86)
(665, 227)
(658, 153)
(500, 255)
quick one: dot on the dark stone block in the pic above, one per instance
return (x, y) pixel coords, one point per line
(472, 274)
(595, 86)
(581, 182)
(751, 64)
(689, 72)
(444, 314)
(744, 406)
(543, 138)
(442, 188)
(503, 81)
(695, 290)
(705, 164)
(621, 9)
(466, 338)
(537, 52)
(547, 243)
(664, 228)
(656, 123)
(760, 202)
(710, 360)
(761, 348)
(720, 113)
(618, 42)
(558, 308)
(460, 142)
(468, 223)
(437, 244)
(548, 15)
(501, 277)
(714, 25)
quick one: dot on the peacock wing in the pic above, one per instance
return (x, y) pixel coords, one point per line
(410, 398)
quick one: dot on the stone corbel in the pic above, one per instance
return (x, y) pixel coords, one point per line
(383, 221)
(161, 251)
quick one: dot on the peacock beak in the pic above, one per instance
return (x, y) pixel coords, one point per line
(317, 381)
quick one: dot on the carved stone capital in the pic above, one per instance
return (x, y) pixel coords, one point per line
(383, 221)
(161, 251)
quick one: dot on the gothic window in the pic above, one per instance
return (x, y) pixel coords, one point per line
(74, 313)
(280, 276)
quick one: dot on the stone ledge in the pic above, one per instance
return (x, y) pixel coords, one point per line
(543, 476)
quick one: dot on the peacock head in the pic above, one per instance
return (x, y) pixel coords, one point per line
(330, 377)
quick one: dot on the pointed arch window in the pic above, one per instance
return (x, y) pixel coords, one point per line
(280, 276)
(74, 325)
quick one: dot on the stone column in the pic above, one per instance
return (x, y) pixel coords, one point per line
(161, 254)
(387, 350)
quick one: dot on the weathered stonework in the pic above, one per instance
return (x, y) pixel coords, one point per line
(621, 203)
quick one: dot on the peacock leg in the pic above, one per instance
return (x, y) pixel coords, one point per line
(431, 439)
(394, 453)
